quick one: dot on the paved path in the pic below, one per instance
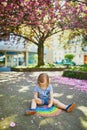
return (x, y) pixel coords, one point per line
(16, 91)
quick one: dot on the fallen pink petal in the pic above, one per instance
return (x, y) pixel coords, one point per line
(76, 83)
(12, 124)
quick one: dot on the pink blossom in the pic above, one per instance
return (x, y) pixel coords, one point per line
(12, 124)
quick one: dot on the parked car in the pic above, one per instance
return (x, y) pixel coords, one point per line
(66, 62)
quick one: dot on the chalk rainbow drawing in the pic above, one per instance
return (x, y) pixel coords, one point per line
(48, 112)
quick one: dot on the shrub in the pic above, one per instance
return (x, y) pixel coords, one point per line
(79, 72)
(69, 56)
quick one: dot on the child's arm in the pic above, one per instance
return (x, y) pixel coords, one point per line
(35, 95)
(51, 99)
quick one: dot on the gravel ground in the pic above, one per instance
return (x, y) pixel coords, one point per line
(16, 91)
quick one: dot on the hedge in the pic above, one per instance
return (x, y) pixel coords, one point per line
(75, 74)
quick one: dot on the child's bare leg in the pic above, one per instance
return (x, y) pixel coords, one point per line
(35, 102)
(59, 104)
(68, 108)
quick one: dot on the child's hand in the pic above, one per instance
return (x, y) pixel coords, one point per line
(50, 105)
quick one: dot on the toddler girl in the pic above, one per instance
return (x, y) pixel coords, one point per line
(43, 95)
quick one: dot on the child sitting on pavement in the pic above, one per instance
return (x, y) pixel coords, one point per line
(43, 95)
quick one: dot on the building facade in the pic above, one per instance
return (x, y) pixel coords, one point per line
(57, 51)
(16, 52)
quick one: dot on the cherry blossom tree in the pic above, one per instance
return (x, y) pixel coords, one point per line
(80, 1)
(36, 20)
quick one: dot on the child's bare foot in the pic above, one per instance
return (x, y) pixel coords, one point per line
(70, 107)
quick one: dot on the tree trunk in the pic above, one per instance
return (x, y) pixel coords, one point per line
(26, 58)
(40, 54)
